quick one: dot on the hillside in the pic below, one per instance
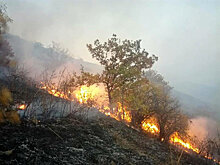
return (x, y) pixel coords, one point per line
(36, 58)
(109, 83)
(199, 98)
(73, 140)
(195, 106)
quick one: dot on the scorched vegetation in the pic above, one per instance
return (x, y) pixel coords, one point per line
(123, 115)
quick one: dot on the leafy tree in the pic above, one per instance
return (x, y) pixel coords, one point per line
(156, 79)
(85, 78)
(138, 99)
(5, 50)
(123, 63)
(126, 80)
(169, 116)
(150, 97)
(165, 108)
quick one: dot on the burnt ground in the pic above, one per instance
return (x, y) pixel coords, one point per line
(71, 140)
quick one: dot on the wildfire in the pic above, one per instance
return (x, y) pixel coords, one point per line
(176, 139)
(53, 91)
(82, 95)
(86, 93)
(123, 113)
(22, 106)
(117, 113)
(149, 126)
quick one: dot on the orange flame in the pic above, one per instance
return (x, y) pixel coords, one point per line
(53, 91)
(149, 126)
(82, 95)
(176, 139)
(126, 115)
(85, 93)
(22, 106)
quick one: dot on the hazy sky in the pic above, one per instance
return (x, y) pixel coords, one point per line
(184, 34)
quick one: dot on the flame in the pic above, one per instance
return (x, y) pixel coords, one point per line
(82, 95)
(97, 93)
(126, 115)
(176, 139)
(149, 126)
(117, 113)
(86, 93)
(51, 89)
(22, 106)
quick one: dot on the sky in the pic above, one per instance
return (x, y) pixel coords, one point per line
(184, 34)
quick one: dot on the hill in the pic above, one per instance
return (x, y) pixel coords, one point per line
(36, 58)
(73, 140)
(195, 106)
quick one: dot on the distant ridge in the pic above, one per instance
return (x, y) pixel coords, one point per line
(36, 58)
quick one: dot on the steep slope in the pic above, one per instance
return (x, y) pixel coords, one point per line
(71, 140)
(36, 58)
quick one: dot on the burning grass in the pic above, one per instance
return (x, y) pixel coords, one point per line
(95, 96)
(149, 125)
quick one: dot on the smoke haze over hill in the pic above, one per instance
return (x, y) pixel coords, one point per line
(183, 34)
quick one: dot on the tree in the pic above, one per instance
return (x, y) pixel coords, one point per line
(150, 97)
(85, 78)
(166, 108)
(169, 116)
(123, 63)
(5, 50)
(138, 98)
(156, 78)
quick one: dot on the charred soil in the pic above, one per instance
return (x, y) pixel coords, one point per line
(71, 140)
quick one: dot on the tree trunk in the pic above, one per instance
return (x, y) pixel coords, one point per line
(162, 132)
(122, 104)
(110, 99)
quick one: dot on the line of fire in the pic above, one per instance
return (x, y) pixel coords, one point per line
(147, 94)
(86, 94)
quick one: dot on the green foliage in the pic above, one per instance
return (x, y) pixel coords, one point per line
(7, 116)
(123, 63)
(169, 115)
(156, 79)
(138, 99)
(4, 19)
(85, 78)
(145, 93)
(150, 96)
(5, 49)
(165, 108)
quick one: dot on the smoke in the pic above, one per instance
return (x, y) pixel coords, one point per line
(187, 45)
(202, 128)
(37, 59)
